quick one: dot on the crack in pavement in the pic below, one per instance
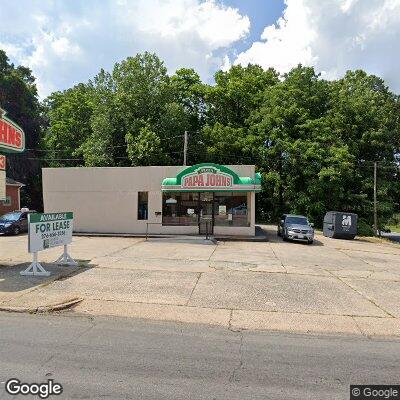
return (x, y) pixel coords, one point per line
(358, 327)
(212, 253)
(93, 298)
(355, 258)
(233, 377)
(122, 249)
(362, 295)
(273, 252)
(194, 287)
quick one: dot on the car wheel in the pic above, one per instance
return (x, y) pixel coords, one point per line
(16, 230)
(310, 241)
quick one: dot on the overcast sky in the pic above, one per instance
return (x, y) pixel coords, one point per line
(67, 41)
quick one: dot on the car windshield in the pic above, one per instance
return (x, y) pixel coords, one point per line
(297, 220)
(13, 216)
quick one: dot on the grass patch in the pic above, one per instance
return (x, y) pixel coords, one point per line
(393, 228)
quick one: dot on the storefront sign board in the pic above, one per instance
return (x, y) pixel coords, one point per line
(210, 177)
(12, 137)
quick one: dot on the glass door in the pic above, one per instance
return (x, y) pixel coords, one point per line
(206, 213)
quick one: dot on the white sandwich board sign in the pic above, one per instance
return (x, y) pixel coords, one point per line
(46, 231)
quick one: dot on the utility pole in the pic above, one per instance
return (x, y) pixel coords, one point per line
(375, 202)
(185, 144)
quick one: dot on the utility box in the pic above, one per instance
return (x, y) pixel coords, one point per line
(340, 225)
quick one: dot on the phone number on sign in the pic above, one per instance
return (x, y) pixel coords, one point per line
(53, 234)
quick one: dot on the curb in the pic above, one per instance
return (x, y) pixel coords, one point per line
(42, 309)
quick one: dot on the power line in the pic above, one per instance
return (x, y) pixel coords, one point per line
(107, 147)
(226, 157)
(82, 159)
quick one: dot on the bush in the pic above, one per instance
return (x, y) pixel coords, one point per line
(364, 229)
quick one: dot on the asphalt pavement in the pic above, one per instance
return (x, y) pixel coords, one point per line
(333, 286)
(118, 358)
(393, 236)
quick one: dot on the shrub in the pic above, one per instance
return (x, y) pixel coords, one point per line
(364, 229)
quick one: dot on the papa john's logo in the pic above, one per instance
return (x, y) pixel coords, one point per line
(207, 177)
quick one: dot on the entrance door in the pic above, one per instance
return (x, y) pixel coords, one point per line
(206, 213)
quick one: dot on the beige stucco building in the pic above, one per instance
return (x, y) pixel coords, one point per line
(160, 200)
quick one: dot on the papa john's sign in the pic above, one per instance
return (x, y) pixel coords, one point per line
(210, 177)
(12, 137)
(207, 177)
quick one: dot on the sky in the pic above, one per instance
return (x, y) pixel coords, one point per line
(65, 42)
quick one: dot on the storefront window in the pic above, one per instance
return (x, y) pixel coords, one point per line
(143, 200)
(180, 208)
(231, 209)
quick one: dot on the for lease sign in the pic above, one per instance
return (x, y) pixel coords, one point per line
(49, 230)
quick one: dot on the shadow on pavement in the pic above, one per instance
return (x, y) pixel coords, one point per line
(12, 281)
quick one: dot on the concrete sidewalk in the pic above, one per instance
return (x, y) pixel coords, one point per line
(333, 286)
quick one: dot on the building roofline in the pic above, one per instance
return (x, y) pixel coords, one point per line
(12, 182)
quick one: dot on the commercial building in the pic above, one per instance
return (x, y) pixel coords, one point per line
(162, 200)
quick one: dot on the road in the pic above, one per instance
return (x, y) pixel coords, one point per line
(114, 358)
(394, 236)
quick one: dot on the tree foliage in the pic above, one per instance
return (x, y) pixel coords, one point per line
(18, 96)
(315, 141)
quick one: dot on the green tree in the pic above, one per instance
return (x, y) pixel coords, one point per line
(141, 88)
(298, 145)
(315, 141)
(68, 115)
(98, 148)
(145, 148)
(365, 115)
(237, 94)
(18, 96)
(188, 114)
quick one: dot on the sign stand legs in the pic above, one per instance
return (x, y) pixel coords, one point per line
(66, 259)
(35, 269)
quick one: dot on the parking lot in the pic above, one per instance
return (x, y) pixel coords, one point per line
(330, 286)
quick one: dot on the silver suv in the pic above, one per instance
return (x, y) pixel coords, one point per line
(295, 227)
